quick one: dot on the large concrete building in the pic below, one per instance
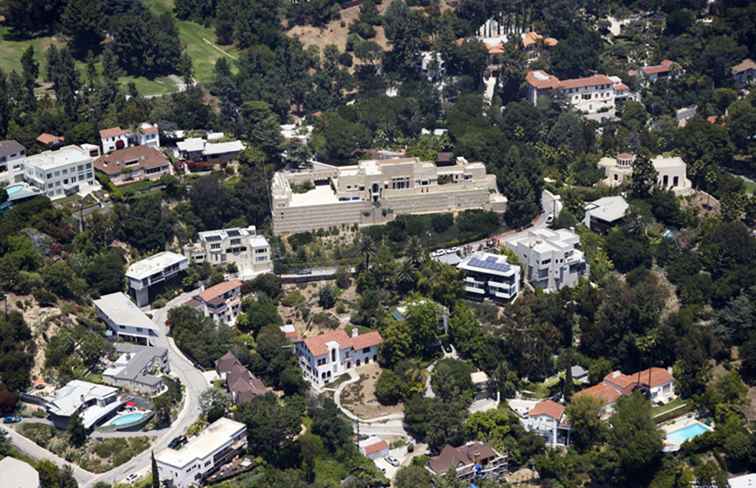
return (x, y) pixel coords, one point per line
(376, 191)
(147, 276)
(239, 245)
(60, 173)
(551, 258)
(671, 172)
(490, 276)
(203, 455)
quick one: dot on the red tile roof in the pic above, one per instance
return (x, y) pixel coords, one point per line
(542, 80)
(495, 49)
(317, 344)
(745, 65)
(664, 67)
(218, 290)
(602, 392)
(375, 447)
(47, 139)
(548, 408)
(650, 378)
(594, 80)
(112, 132)
(530, 38)
(621, 87)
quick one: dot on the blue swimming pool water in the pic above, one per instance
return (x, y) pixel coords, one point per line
(127, 419)
(686, 433)
(12, 189)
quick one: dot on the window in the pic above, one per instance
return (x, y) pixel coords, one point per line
(333, 355)
(365, 350)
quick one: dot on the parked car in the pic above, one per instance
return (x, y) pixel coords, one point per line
(131, 478)
(177, 442)
(12, 419)
(392, 461)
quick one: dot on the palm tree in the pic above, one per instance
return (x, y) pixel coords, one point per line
(367, 250)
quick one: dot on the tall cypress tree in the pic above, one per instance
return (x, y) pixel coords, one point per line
(155, 473)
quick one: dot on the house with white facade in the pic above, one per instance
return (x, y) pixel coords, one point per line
(326, 356)
(604, 213)
(671, 172)
(487, 275)
(125, 319)
(135, 163)
(115, 138)
(60, 173)
(589, 95)
(91, 402)
(138, 368)
(221, 302)
(203, 455)
(377, 191)
(12, 156)
(547, 419)
(552, 258)
(147, 276)
(197, 149)
(243, 246)
(664, 70)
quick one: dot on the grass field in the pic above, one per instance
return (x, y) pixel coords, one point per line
(198, 40)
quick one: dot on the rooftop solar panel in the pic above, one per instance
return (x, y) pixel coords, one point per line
(491, 262)
(213, 238)
(233, 232)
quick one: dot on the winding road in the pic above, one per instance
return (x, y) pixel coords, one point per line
(181, 367)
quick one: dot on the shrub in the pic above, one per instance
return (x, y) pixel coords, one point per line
(388, 388)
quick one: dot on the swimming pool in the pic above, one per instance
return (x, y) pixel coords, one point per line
(13, 189)
(127, 419)
(687, 433)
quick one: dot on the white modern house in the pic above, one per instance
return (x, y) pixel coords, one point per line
(125, 319)
(552, 258)
(602, 214)
(490, 276)
(203, 455)
(377, 191)
(547, 419)
(18, 474)
(60, 173)
(93, 403)
(671, 172)
(12, 155)
(327, 356)
(198, 149)
(239, 245)
(221, 302)
(148, 275)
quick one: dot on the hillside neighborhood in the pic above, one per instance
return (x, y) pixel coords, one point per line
(377, 243)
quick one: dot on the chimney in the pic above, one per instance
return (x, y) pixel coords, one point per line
(355, 332)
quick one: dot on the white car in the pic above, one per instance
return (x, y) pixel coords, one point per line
(392, 461)
(130, 479)
(549, 218)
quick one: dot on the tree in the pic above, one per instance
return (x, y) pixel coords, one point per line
(259, 313)
(412, 476)
(451, 381)
(588, 429)
(76, 431)
(331, 426)
(263, 127)
(634, 437)
(326, 297)
(644, 177)
(155, 472)
(271, 426)
(83, 21)
(388, 388)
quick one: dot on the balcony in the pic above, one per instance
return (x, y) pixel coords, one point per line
(475, 290)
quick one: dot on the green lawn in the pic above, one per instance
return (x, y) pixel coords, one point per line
(11, 49)
(662, 409)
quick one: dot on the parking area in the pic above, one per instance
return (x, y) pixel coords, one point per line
(403, 457)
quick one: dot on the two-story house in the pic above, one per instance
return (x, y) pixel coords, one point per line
(135, 163)
(473, 460)
(115, 138)
(12, 156)
(243, 246)
(552, 258)
(221, 302)
(490, 276)
(326, 356)
(146, 277)
(547, 419)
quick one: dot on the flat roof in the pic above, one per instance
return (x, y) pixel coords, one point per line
(120, 309)
(68, 399)
(608, 209)
(484, 262)
(18, 473)
(320, 195)
(192, 144)
(223, 147)
(214, 437)
(63, 156)
(153, 264)
(668, 162)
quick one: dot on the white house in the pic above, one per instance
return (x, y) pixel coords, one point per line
(327, 356)
(489, 275)
(547, 419)
(125, 319)
(138, 368)
(18, 474)
(93, 403)
(671, 172)
(742, 481)
(147, 135)
(552, 258)
(147, 275)
(239, 245)
(221, 302)
(60, 173)
(12, 156)
(113, 138)
(589, 95)
(602, 214)
(658, 383)
(203, 455)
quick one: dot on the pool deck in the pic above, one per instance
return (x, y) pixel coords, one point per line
(679, 424)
